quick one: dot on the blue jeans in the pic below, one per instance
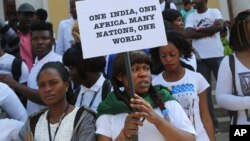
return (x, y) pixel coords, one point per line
(205, 67)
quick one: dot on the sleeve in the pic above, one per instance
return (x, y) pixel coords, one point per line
(24, 74)
(12, 106)
(60, 40)
(224, 86)
(86, 130)
(103, 126)
(202, 84)
(178, 117)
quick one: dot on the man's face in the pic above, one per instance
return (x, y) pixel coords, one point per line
(199, 4)
(25, 19)
(42, 42)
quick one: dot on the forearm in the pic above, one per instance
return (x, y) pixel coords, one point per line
(194, 34)
(210, 30)
(234, 103)
(27, 92)
(208, 125)
(172, 133)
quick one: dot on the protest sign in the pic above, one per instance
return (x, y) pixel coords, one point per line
(114, 26)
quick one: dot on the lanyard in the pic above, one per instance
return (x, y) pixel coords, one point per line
(58, 126)
(93, 98)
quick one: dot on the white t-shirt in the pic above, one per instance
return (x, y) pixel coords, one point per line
(65, 130)
(6, 65)
(10, 104)
(111, 125)
(186, 91)
(32, 83)
(91, 97)
(224, 87)
(208, 47)
(64, 36)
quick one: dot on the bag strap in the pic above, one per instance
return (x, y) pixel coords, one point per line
(75, 94)
(233, 114)
(34, 119)
(16, 68)
(232, 67)
(81, 113)
(106, 88)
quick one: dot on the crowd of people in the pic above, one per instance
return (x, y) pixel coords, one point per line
(49, 92)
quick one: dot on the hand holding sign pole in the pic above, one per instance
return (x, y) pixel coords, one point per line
(115, 26)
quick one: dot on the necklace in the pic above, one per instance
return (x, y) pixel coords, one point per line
(58, 126)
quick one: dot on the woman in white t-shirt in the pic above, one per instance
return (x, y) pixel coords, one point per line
(158, 118)
(240, 44)
(188, 87)
(61, 121)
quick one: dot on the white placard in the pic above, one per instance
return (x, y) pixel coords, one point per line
(114, 26)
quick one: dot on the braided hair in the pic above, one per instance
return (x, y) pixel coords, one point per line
(136, 57)
(239, 37)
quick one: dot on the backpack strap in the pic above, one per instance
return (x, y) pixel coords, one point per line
(16, 68)
(233, 114)
(79, 115)
(106, 88)
(34, 119)
(75, 94)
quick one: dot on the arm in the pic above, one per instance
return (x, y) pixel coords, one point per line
(218, 26)
(224, 86)
(166, 128)
(194, 34)
(9, 98)
(205, 116)
(25, 91)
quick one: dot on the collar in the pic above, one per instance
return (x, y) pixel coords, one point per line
(94, 87)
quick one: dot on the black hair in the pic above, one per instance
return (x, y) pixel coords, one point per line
(40, 26)
(186, 2)
(41, 14)
(171, 15)
(181, 43)
(63, 73)
(73, 57)
(119, 68)
(239, 38)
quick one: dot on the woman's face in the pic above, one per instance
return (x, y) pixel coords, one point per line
(141, 76)
(51, 88)
(188, 7)
(170, 57)
(178, 24)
